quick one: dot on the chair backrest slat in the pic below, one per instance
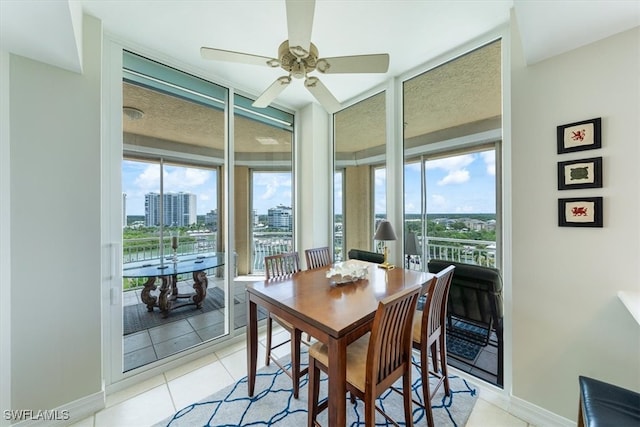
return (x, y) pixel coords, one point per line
(435, 309)
(281, 265)
(318, 257)
(390, 342)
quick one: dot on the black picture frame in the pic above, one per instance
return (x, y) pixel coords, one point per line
(579, 136)
(581, 173)
(580, 212)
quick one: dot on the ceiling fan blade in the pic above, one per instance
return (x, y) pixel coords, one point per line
(300, 23)
(377, 63)
(272, 92)
(243, 58)
(322, 94)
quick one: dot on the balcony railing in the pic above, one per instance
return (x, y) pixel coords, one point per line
(147, 248)
(269, 243)
(479, 252)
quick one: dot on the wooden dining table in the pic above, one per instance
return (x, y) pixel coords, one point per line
(335, 314)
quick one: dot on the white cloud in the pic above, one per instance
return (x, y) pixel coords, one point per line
(455, 168)
(184, 179)
(149, 179)
(175, 179)
(380, 177)
(459, 176)
(276, 187)
(489, 158)
(270, 190)
(451, 163)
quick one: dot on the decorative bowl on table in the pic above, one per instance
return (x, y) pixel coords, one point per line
(347, 272)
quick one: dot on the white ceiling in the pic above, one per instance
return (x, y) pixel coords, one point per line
(411, 31)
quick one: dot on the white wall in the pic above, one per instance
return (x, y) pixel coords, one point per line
(5, 238)
(567, 319)
(55, 224)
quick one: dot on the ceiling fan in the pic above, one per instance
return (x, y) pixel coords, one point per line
(299, 57)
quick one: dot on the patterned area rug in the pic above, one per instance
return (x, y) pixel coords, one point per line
(273, 404)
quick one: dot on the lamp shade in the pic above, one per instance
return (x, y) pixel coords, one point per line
(411, 244)
(384, 231)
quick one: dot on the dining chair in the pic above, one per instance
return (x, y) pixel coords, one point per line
(429, 335)
(276, 267)
(318, 257)
(375, 361)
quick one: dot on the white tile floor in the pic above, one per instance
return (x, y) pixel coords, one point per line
(157, 398)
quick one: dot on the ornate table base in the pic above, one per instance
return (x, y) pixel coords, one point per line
(169, 297)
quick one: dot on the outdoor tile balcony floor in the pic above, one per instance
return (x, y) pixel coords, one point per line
(180, 330)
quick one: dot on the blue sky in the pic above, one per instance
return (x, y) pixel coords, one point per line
(460, 184)
(139, 178)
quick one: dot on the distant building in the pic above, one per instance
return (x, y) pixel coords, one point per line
(474, 224)
(179, 209)
(211, 218)
(279, 217)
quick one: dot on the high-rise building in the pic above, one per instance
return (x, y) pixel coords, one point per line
(279, 217)
(179, 209)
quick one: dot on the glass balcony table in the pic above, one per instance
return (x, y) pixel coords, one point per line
(168, 270)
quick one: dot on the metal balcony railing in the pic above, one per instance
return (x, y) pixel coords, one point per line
(148, 248)
(479, 252)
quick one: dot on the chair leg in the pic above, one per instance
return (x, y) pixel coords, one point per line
(426, 393)
(314, 391)
(369, 410)
(443, 361)
(434, 357)
(296, 336)
(406, 395)
(269, 326)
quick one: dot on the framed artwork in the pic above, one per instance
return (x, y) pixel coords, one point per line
(579, 136)
(580, 212)
(583, 173)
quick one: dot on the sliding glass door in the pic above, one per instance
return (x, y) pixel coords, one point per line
(200, 209)
(263, 209)
(173, 293)
(452, 118)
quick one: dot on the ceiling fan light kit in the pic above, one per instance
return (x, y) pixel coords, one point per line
(299, 57)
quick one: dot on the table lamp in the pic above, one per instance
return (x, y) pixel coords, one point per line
(410, 247)
(385, 232)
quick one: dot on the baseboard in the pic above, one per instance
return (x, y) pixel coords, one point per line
(536, 415)
(65, 415)
(517, 407)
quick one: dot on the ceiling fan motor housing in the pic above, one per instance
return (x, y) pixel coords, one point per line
(296, 66)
